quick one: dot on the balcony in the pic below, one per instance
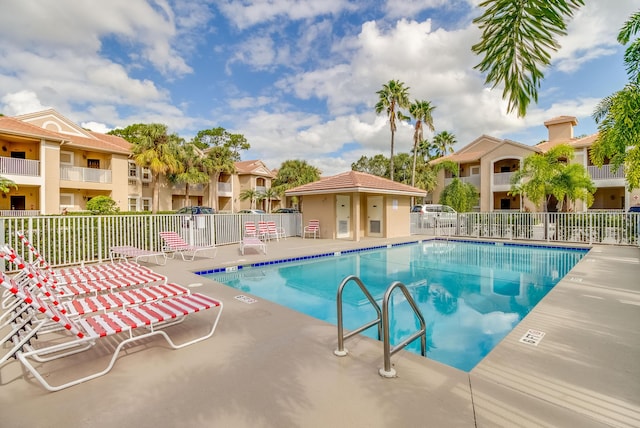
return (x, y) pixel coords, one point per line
(15, 166)
(224, 189)
(502, 178)
(606, 172)
(86, 175)
(473, 179)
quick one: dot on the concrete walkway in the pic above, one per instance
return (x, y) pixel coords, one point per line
(268, 366)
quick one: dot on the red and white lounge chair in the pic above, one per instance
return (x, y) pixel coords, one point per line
(252, 241)
(173, 243)
(119, 327)
(312, 229)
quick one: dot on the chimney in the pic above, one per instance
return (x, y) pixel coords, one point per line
(561, 128)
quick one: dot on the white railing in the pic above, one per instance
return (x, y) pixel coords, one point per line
(89, 175)
(224, 188)
(473, 179)
(261, 189)
(17, 166)
(502, 178)
(603, 227)
(65, 240)
(605, 173)
(18, 213)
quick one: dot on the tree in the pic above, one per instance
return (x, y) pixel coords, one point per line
(391, 98)
(443, 143)
(294, 173)
(101, 205)
(402, 164)
(617, 115)
(517, 38)
(250, 194)
(460, 196)
(221, 150)
(6, 185)
(547, 175)
(375, 165)
(421, 111)
(152, 148)
(270, 194)
(195, 168)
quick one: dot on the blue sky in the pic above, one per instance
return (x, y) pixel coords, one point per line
(296, 77)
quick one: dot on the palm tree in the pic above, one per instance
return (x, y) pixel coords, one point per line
(196, 168)
(548, 175)
(392, 97)
(421, 111)
(270, 194)
(153, 148)
(250, 194)
(443, 143)
(617, 115)
(294, 173)
(517, 37)
(6, 185)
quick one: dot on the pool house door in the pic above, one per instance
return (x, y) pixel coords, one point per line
(343, 213)
(374, 216)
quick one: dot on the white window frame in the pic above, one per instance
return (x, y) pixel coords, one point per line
(146, 175)
(72, 200)
(133, 170)
(145, 204)
(64, 153)
(135, 204)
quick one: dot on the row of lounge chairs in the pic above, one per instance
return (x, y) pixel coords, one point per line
(50, 314)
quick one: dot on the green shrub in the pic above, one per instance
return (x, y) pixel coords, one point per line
(102, 205)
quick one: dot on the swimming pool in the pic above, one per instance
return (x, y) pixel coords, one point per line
(471, 294)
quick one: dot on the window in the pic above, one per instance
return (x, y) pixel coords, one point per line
(146, 174)
(93, 163)
(133, 204)
(475, 170)
(67, 200)
(18, 155)
(133, 170)
(146, 204)
(66, 158)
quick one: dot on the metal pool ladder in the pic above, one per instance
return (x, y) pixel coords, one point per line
(382, 321)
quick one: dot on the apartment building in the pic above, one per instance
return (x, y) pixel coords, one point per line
(57, 165)
(489, 163)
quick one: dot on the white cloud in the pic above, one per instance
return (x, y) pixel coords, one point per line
(96, 127)
(21, 102)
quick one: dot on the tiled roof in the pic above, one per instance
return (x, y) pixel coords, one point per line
(354, 181)
(98, 142)
(460, 157)
(10, 125)
(253, 167)
(576, 143)
(561, 119)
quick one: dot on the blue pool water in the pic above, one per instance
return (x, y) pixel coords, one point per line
(470, 294)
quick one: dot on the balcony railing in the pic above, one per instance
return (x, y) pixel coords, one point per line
(19, 213)
(605, 173)
(473, 179)
(89, 175)
(16, 166)
(502, 178)
(224, 188)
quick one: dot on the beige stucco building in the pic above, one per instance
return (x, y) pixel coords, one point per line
(58, 165)
(489, 163)
(353, 205)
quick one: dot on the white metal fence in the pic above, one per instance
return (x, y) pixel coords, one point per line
(65, 240)
(619, 228)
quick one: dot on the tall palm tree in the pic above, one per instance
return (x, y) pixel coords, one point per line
(153, 148)
(443, 143)
(196, 168)
(393, 96)
(250, 194)
(270, 194)
(421, 111)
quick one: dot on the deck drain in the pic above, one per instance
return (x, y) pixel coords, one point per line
(532, 337)
(246, 299)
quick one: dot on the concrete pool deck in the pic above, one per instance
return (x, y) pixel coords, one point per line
(268, 366)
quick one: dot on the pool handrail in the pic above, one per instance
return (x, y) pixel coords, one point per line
(341, 351)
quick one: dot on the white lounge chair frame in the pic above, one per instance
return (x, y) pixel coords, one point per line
(250, 241)
(173, 243)
(124, 251)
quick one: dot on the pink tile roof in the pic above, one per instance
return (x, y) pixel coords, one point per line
(576, 143)
(253, 167)
(354, 181)
(9, 125)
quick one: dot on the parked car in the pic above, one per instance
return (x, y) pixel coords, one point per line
(432, 215)
(634, 209)
(196, 210)
(252, 212)
(286, 211)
